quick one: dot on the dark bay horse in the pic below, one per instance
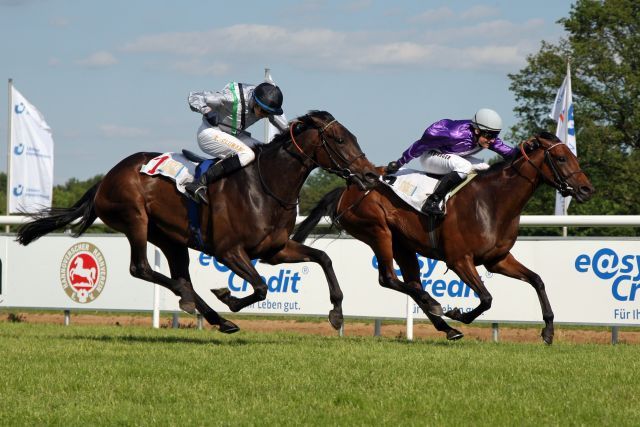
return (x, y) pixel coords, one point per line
(251, 215)
(480, 227)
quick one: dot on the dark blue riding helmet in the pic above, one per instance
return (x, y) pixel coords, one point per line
(269, 98)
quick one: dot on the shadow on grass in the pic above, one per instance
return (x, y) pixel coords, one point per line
(159, 340)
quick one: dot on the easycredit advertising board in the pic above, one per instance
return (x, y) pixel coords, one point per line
(587, 281)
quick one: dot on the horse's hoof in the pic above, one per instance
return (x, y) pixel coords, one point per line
(336, 319)
(228, 327)
(187, 306)
(547, 338)
(454, 335)
(221, 293)
(454, 314)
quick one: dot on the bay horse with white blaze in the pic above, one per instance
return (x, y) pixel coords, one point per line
(251, 215)
(480, 227)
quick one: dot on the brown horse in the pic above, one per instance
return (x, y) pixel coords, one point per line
(480, 227)
(252, 213)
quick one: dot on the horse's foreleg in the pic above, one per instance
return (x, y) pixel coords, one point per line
(296, 252)
(468, 274)
(511, 267)
(408, 263)
(380, 240)
(240, 263)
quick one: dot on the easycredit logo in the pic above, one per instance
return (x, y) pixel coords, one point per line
(622, 270)
(454, 288)
(284, 281)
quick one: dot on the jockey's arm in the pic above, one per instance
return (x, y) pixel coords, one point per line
(503, 149)
(203, 102)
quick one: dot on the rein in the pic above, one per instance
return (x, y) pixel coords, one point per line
(303, 157)
(343, 172)
(558, 182)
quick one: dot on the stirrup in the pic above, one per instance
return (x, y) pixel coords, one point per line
(198, 195)
(431, 207)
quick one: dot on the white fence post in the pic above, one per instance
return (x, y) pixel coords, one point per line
(156, 291)
(409, 319)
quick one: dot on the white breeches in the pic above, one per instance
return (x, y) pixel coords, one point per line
(217, 143)
(441, 164)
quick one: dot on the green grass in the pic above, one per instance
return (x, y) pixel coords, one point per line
(87, 375)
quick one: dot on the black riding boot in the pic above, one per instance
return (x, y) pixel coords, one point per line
(197, 190)
(447, 183)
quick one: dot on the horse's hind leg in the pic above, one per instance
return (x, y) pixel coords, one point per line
(408, 264)
(511, 267)
(178, 259)
(380, 240)
(140, 268)
(296, 252)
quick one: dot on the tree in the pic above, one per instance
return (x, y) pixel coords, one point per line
(602, 44)
(317, 185)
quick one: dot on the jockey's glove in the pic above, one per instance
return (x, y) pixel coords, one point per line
(212, 118)
(392, 167)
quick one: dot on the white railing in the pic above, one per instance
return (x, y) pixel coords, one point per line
(528, 220)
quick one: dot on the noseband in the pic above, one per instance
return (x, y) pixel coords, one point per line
(558, 182)
(335, 168)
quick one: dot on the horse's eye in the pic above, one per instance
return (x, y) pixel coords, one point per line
(340, 141)
(562, 159)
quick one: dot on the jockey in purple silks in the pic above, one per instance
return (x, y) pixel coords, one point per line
(447, 148)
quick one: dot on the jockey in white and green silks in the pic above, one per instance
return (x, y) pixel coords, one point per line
(225, 116)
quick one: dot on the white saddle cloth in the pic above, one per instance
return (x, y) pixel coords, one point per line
(414, 186)
(172, 165)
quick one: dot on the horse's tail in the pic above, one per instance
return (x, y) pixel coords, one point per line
(50, 219)
(326, 205)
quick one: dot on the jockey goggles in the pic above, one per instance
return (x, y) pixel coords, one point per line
(489, 134)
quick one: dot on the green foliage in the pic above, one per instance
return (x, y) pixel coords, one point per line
(66, 195)
(602, 44)
(317, 185)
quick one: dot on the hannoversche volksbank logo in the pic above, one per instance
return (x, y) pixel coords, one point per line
(19, 108)
(18, 190)
(623, 271)
(18, 149)
(83, 272)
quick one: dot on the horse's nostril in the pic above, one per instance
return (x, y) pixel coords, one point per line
(587, 190)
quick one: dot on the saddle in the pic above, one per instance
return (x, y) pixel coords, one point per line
(414, 186)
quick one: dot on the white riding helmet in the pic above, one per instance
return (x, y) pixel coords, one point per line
(487, 119)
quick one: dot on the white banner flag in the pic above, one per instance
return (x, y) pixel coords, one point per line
(31, 157)
(562, 112)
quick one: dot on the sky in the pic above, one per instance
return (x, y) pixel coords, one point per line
(112, 77)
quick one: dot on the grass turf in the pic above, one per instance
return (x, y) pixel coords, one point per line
(108, 375)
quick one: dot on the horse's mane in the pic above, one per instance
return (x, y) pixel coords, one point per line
(306, 120)
(498, 166)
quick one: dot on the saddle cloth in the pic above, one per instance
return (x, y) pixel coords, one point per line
(415, 186)
(174, 166)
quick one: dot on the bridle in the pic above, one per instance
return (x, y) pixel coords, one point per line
(332, 153)
(343, 172)
(558, 182)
